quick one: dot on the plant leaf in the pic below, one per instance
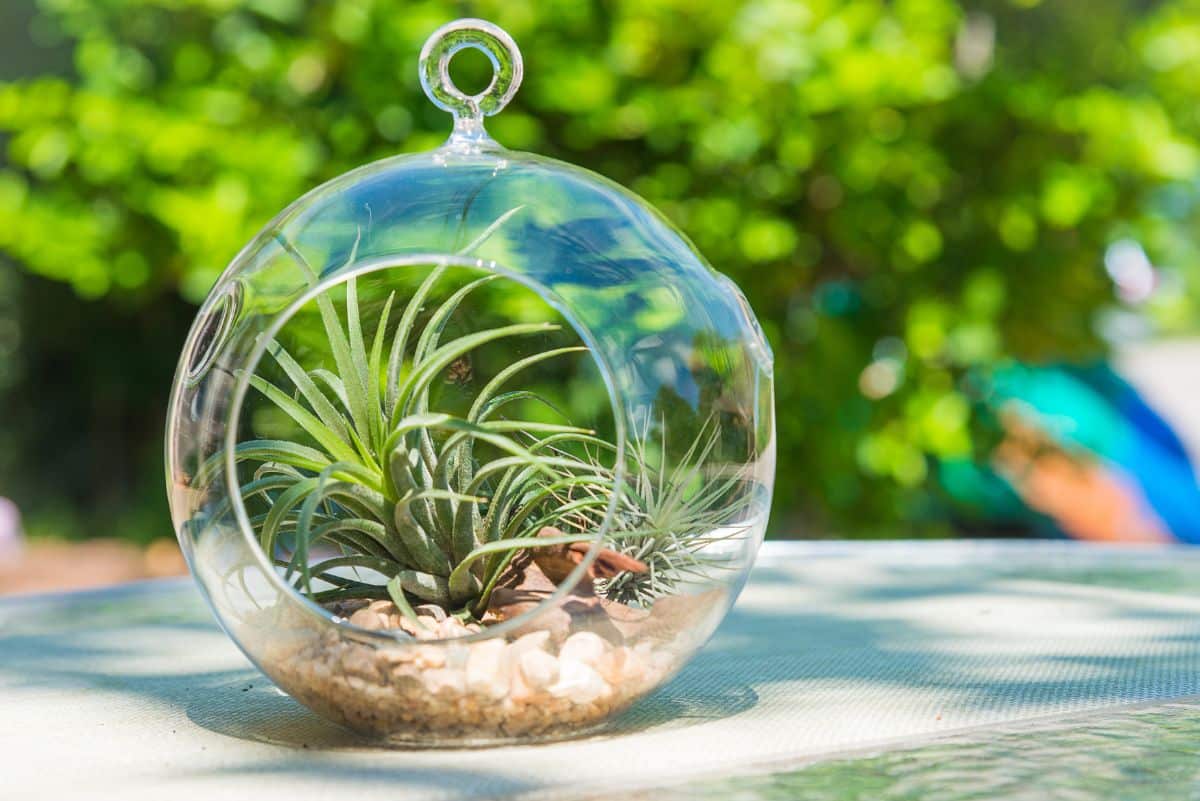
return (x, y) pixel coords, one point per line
(403, 330)
(325, 411)
(424, 550)
(425, 586)
(325, 437)
(373, 371)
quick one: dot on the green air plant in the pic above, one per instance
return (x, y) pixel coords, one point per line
(670, 517)
(397, 490)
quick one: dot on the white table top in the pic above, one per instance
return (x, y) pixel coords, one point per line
(833, 649)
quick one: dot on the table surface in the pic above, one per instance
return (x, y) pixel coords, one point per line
(847, 670)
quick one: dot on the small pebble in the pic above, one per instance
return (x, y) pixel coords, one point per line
(369, 619)
(429, 656)
(431, 610)
(538, 668)
(441, 681)
(537, 640)
(487, 672)
(579, 682)
(584, 647)
(451, 627)
(454, 691)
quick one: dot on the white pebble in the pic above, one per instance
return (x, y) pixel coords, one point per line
(450, 628)
(536, 640)
(444, 681)
(538, 668)
(367, 618)
(584, 647)
(429, 656)
(579, 682)
(487, 673)
(457, 655)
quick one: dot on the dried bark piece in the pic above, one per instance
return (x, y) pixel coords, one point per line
(535, 574)
(347, 607)
(557, 561)
(526, 587)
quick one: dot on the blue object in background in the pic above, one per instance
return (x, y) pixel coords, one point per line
(1093, 412)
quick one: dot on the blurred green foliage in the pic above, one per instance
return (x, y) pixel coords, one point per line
(908, 191)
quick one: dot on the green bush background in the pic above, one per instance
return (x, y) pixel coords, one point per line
(921, 182)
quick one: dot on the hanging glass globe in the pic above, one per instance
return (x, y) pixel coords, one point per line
(471, 445)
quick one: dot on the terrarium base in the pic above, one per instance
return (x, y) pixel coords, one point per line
(529, 686)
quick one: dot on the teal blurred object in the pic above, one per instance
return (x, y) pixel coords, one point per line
(1099, 421)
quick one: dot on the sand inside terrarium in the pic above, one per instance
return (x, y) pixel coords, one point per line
(542, 681)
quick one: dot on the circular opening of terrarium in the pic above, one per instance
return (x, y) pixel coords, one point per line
(428, 449)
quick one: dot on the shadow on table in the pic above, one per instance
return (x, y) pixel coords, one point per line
(251, 708)
(444, 781)
(827, 642)
(94, 640)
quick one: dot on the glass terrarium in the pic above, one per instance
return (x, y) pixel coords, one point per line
(471, 445)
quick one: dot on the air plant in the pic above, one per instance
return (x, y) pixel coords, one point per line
(670, 516)
(398, 489)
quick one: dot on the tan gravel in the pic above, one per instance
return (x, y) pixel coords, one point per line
(534, 684)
